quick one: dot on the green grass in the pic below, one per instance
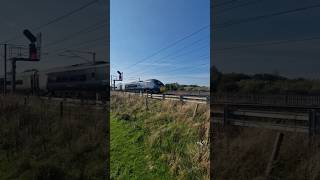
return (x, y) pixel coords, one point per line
(163, 139)
(129, 156)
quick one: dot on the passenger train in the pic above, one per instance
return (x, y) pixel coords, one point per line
(150, 85)
(71, 81)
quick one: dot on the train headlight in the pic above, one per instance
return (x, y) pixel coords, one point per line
(162, 89)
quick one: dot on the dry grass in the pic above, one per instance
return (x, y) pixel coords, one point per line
(36, 143)
(173, 136)
(243, 153)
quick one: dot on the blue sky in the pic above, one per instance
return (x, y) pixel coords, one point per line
(141, 28)
(294, 59)
(78, 31)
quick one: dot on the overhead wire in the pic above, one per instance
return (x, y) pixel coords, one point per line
(224, 3)
(182, 68)
(88, 29)
(239, 21)
(162, 59)
(180, 55)
(81, 44)
(237, 6)
(259, 44)
(168, 46)
(57, 19)
(264, 16)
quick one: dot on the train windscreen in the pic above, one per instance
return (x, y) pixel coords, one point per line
(159, 83)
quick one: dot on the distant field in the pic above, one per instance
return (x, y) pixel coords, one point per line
(163, 142)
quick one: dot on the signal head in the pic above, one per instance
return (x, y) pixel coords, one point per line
(30, 36)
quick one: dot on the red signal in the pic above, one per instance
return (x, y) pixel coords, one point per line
(33, 55)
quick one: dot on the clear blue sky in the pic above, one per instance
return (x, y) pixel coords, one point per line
(293, 59)
(78, 31)
(141, 28)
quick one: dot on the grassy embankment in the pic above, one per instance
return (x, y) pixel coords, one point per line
(35, 143)
(163, 142)
(243, 153)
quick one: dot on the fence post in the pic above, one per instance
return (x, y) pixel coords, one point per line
(97, 98)
(195, 112)
(25, 100)
(181, 98)
(225, 115)
(275, 153)
(163, 97)
(61, 109)
(312, 122)
(316, 122)
(146, 103)
(81, 100)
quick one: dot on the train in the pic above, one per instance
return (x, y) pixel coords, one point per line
(150, 85)
(79, 80)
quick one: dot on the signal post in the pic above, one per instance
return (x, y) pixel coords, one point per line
(34, 55)
(119, 79)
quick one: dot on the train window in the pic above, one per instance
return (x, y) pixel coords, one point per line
(78, 78)
(62, 79)
(51, 79)
(158, 83)
(131, 86)
(82, 78)
(73, 78)
(59, 79)
(19, 82)
(65, 79)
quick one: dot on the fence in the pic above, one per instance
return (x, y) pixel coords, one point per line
(39, 129)
(289, 100)
(182, 98)
(61, 107)
(295, 119)
(274, 100)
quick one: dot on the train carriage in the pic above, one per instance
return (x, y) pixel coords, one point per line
(70, 81)
(150, 85)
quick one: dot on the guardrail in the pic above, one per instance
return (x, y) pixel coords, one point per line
(289, 100)
(75, 101)
(183, 98)
(294, 119)
(299, 114)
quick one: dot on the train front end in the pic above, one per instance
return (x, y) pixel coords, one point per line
(158, 86)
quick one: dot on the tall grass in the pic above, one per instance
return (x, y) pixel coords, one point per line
(36, 143)
(243, 153)
(171, 136)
